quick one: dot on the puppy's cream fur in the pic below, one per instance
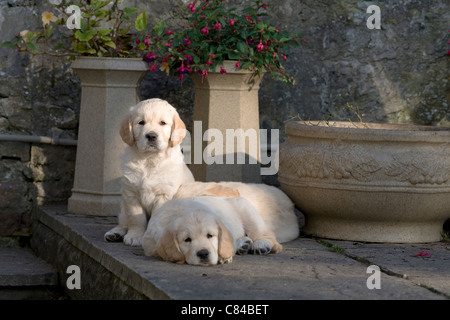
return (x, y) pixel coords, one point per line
(152, 166)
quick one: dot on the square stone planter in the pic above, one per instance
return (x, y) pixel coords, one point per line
(110, 86)
(227, 102)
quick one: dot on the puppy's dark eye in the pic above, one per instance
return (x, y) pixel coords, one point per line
(209, 236)
(187, 240)
(141, 123)
(163, 123)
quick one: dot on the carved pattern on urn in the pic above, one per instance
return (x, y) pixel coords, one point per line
(353, 162)
(327, 162)
(420, 167)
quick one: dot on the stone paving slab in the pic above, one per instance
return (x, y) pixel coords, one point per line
(306, 269)
(426, 264)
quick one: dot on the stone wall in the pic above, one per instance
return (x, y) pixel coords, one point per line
(397, 74)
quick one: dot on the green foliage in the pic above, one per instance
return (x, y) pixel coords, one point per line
(104, 31)
(214, 33)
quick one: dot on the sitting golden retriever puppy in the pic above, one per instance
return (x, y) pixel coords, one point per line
(207, 231)
(153, 166)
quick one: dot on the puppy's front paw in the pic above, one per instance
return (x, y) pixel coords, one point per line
(225, 260)
(261, 246)
(133, 239)
(115, 234)
(243, 245)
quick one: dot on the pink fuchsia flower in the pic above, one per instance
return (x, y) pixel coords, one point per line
(238, 65)
(188, 59)
(150, 57)
(146, 42)
(424, 254)
(203, 73)
(210, 59)
(232, 22)
(218, 26)
(183, 70)
(187, 42)
(260, 47)
(205, 31)
(191, 6)
(222, 70)
(168, 32)
(153, 67)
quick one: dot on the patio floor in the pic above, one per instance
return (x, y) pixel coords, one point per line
(308, 268)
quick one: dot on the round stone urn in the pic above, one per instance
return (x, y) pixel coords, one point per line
(368, 182)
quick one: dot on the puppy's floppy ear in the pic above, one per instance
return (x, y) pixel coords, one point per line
(168, 249)
(226, 243)
(126, 131)
(178, 131)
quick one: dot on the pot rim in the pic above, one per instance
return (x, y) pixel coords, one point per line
(109, 63)
(367, 131)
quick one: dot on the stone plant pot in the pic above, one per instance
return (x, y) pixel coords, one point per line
(110, 86)
(227, 101)
(368, 182)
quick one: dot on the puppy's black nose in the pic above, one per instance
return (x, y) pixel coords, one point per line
(151, 136)
(203, 254)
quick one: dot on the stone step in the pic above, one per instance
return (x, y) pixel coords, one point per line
(307, 268)
(25, 276)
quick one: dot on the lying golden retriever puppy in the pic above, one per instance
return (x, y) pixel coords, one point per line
(273, 205)
(207, 231)
(152, 165)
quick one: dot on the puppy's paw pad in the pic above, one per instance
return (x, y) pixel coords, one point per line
(261, 247)
(243, 245)
(115, 234)
(113, 237)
